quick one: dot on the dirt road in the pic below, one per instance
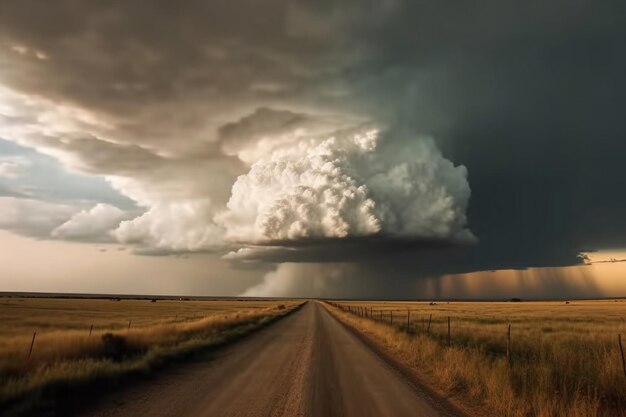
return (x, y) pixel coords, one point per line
(307, 364)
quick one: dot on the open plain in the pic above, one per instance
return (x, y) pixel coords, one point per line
(334, 358)
(308, 364)
(52, 345)
(518, 359)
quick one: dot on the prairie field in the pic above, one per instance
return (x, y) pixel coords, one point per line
(558, 358)
(127, 336)
(21, 316)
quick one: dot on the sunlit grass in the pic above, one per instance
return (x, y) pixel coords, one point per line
(22, 316)
(564, 358)
(62, 354)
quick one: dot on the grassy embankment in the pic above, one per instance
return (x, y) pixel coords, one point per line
(564, 361)
(67, 352)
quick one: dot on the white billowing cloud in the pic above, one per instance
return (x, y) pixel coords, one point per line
(45, 219)
(305, 177)
(92, 224)
(12, 166)
(355, 183)
(302, 177)
(33, 217)
(175, 137)
(173, 226)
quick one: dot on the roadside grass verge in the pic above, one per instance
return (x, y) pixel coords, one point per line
(568, 377)
(75, 362)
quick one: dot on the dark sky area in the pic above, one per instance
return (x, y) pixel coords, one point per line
(530, 98)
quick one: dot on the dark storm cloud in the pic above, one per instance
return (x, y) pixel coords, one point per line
(528, 96)
(536, 121)
(378, 248)
(382, 281)
(119, 59)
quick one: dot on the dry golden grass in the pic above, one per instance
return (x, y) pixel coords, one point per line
(565, 358)
(23, 316)
(65, 352)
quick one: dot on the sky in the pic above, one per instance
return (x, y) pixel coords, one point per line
(391, 149)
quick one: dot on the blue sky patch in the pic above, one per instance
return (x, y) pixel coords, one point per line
(44, 178)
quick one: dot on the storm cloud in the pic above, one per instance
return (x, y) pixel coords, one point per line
(243, 130)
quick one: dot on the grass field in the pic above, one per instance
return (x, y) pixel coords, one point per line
(564, 358)
(64, 351)
(23, 316)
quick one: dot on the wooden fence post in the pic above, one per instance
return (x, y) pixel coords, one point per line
(129, 322)
(448, 331)
(381, 315)
(391, 318)
(508, 345)
(430, 319)
(408, 320)
(90, 330)
(371, 313)
(32, 343)
(621, 349)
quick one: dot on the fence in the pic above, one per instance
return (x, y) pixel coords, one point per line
(443, 327)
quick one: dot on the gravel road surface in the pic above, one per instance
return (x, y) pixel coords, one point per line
(307, 364)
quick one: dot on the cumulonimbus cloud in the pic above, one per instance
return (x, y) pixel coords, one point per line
(272, 162)
(304, 178)
(355, 183)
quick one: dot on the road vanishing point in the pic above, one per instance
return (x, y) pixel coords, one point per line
(306, 364)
